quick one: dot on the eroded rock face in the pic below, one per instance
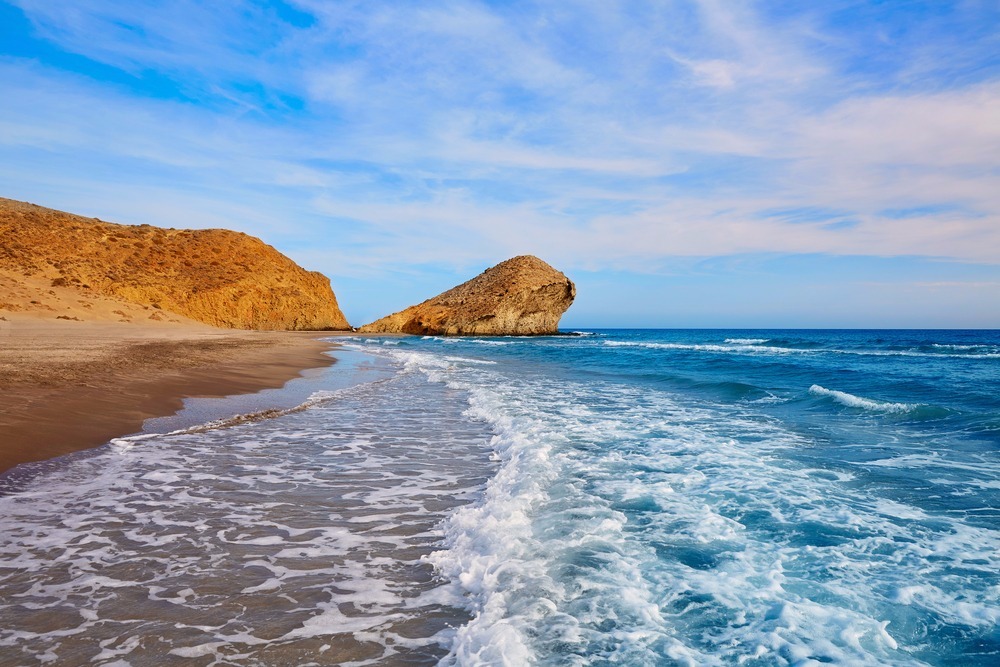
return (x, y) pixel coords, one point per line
(219, 277)
(523, 296)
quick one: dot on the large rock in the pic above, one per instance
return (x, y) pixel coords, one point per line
(523, 296)
(219, 277)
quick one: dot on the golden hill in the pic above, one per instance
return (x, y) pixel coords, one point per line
(219, 277)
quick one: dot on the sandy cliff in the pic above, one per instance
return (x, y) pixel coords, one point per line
(522, 296)
(62, 265)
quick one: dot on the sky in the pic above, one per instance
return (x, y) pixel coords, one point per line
(688, 163)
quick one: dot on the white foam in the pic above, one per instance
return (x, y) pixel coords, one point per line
(571, 453)
(468, 360)
(746, 341)
(913, 353)
(623, 524)
(707, 347)
(744, 347)
(215, 524)
(899, 510)
(770, 398)
(506, 554)
(852, 401)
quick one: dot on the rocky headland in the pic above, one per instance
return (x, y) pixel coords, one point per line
(74, 268)
(522, 296)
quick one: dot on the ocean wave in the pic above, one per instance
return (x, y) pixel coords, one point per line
(746, 341)
(758, 349)
(125, 443)
(468, 360)
(770, 398)
(417, 361)
(710, 347)
(917, 353)
(950, 346)
(541, 561)
(852, 401)
(736, 391)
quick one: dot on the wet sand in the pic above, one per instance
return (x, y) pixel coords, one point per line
(67, 386)
(302, 539)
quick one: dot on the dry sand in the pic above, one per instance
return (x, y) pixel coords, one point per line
(67, 385)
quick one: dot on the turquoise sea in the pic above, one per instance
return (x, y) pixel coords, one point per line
(615, 497)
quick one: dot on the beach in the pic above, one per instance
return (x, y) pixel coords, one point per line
(69, 385)
(500, 334)
(624, 497)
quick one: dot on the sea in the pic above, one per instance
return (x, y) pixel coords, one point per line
(610, 497)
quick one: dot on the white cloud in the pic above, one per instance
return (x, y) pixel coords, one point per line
(958, 128)
(599, 134)
(718, 73)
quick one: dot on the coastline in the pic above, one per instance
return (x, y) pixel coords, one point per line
(69, 386)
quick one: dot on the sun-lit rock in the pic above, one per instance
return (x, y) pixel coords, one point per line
(520, 297)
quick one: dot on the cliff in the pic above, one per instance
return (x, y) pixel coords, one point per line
(520, 297)
(219, 277)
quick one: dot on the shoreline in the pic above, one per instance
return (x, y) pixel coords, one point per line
(68, 387)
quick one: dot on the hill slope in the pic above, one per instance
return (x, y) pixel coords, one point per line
(219, 277)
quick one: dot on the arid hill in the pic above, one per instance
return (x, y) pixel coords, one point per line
(219, 277)
(523, 296)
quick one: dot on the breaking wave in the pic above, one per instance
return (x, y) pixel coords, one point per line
(852, 401)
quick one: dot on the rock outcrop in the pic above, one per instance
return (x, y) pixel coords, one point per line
(523, 296)
(219, 277)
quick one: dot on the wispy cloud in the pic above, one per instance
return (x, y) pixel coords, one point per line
(600, 134)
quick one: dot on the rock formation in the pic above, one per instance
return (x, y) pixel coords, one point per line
(520, 297)
(215, 276)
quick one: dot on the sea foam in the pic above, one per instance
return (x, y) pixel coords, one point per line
(624, 525)
(254, 544)
(852, 401)
(567, 503)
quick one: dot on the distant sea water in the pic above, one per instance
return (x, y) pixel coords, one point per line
(618, 497)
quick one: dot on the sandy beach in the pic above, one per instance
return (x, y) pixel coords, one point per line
(67, 385)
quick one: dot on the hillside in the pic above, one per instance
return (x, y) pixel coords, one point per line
(55, 263)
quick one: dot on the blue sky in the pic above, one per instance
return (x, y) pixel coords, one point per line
(715, 163)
